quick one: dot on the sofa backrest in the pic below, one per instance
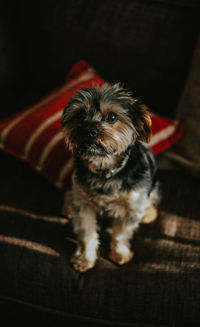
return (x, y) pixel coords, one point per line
(147, 45)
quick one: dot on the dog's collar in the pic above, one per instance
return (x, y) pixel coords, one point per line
(108, 173)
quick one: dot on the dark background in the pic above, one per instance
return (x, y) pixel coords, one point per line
(147, 45)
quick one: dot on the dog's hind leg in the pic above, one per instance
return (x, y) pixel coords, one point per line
(151, 212)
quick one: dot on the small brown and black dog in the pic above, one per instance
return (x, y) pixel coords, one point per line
(114, 169)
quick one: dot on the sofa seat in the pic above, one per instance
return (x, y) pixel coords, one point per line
(159, 287)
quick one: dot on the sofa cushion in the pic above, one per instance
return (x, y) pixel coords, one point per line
(25, 188)
(161, 281)
(35, 135)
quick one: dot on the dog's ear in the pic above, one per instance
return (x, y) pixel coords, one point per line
(143, 123)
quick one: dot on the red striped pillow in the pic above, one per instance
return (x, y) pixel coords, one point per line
(34, 134)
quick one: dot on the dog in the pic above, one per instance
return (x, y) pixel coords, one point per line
(108, 129)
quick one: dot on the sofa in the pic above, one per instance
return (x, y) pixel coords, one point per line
(153, 48)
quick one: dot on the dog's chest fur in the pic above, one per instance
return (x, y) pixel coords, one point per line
(118, 189)
(116, 203)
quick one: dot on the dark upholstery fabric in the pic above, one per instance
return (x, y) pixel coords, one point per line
(161, 286)
(185, 3)
(22, 187)
(10, 66)
(147, 45)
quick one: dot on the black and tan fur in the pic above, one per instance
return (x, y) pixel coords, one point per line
(114, 169)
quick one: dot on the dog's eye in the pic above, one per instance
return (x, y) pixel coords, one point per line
(81, 115)
(111, 117)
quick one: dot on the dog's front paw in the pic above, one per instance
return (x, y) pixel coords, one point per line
(81, 263)
(121, 254)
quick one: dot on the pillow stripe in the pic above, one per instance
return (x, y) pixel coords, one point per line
(56, 160)
(40, 129)
(42, 141)
(162, 135)
(167, 142)
(49, 148)
(64, 171)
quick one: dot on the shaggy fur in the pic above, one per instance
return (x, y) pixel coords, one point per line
(114, 169)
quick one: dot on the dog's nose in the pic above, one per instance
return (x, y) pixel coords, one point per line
(93, 132)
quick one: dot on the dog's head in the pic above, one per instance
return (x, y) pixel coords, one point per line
(105, 120)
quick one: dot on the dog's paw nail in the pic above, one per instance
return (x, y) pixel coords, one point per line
(81, 263)
(121, 258)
